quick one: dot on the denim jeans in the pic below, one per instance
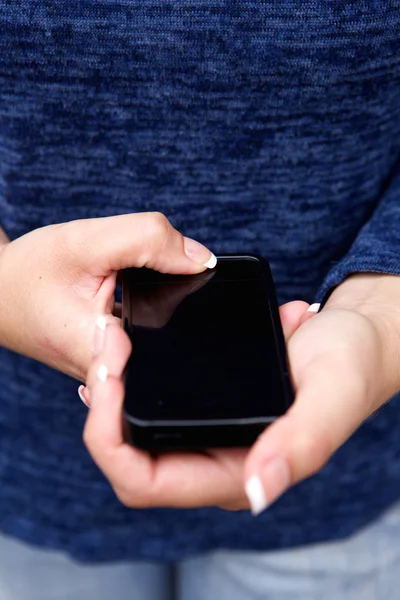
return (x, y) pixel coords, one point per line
(364, 567)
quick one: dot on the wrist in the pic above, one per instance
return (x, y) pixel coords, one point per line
(376, 297)
(372, 295)
(3, 285)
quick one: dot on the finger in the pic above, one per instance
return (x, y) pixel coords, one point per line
(100, 327)
(172, 479)
(111, 346)
(191, 480)
(327, 409)
(311, 312)
(103, 433)
(134, 240)
(83, 394)
(113, 350)
(105, 299)
(291, 315)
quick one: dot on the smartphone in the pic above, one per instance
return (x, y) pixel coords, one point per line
(208, 366)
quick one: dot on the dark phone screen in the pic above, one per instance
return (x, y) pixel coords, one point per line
(203, 346)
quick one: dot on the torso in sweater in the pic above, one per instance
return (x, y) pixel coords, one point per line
(270, 127)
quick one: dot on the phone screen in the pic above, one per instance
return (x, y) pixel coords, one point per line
(205, 346)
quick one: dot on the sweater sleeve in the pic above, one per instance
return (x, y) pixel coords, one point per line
(376, 249)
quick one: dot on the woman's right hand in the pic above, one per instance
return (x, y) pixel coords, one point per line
(57, 280)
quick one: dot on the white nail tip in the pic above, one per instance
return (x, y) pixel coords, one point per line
(102, 373)
(212, 261)
(314, 308)
(101, 322)
(255, 493)
(81, 396)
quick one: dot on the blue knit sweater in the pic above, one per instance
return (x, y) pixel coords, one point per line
(255, 125)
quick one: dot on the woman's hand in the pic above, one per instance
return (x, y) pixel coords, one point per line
(56, 281)
(345, 364)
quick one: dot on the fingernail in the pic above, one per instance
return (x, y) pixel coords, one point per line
(99, 333)
(199, 253)
(81, 389)
(276, 477)
(255, 493)
(102, 373)
(212, 262)
(314, 308)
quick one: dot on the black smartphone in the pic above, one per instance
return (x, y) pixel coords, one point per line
(208, 366)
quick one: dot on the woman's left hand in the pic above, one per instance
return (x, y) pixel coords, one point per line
(345, 365)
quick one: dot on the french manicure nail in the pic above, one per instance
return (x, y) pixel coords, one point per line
(102, 373)
(275, 475)
(81, 389)
(199, 253)
(256, 495)
(99, 333)
(212, 261)
(314, 308)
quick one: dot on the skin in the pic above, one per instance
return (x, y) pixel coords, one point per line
(344, 360)
(74, 265)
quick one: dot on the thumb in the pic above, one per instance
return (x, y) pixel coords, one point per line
(101, 246)
(292, 315)
(329, 406)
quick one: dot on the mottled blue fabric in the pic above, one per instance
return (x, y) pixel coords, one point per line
(263, 126)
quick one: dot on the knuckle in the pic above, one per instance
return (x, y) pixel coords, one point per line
(159, 227)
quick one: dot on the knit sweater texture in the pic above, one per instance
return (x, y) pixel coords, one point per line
(256, 126)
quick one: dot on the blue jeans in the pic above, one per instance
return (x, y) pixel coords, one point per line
(364, 567)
